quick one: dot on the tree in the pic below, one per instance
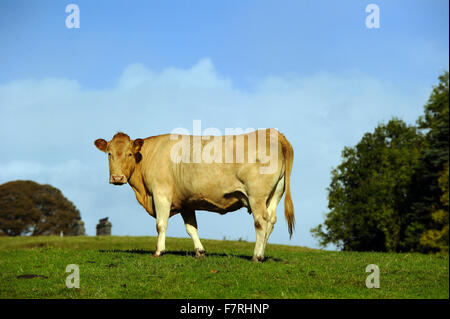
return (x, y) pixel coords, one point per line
(369, 192)
(428, 190)
(437, 239)
(28, 208)
(391, 191)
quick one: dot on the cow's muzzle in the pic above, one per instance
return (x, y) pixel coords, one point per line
(117, 179)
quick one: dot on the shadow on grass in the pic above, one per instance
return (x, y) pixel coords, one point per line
(184, 253)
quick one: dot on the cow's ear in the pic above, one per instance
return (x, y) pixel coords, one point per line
(137, 144)
(101, 144)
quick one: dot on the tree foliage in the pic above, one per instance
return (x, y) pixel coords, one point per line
(28, 208)
(431, 192)
(368, 194)
(390, 193)
(437, 238)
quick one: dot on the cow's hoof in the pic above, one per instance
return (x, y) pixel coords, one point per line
(158, 254)
(257, 259)
(199, 253)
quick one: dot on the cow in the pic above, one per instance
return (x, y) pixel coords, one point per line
(166, 183)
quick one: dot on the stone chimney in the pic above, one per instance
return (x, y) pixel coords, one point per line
(104, 227)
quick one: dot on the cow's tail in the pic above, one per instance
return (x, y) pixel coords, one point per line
(288, 154)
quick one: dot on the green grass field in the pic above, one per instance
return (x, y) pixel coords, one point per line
(123, 267)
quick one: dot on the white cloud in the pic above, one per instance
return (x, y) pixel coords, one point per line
(48, 126)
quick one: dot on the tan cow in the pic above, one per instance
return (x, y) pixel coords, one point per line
(167, 183)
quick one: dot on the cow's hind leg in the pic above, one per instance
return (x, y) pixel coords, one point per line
(272, 208)
(162, 206)
(190, 221)
(260, 217)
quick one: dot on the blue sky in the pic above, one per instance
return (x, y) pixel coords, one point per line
(309, 68)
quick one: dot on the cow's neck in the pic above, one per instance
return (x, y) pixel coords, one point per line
(137, 184)
(136, 181)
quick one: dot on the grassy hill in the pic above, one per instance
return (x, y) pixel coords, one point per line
(123, 267)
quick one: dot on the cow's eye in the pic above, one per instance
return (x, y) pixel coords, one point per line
(109, 154)
(129, 154)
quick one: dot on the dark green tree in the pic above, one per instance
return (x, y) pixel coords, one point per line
(28, 208)
(437, 238)
(427, 189)
(391, 191)
(369, 192)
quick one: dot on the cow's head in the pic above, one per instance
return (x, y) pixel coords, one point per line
(123, 154)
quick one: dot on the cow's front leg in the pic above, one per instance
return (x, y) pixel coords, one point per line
(162, 206)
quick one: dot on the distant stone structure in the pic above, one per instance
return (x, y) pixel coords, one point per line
(104, 227)
(78, 229)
